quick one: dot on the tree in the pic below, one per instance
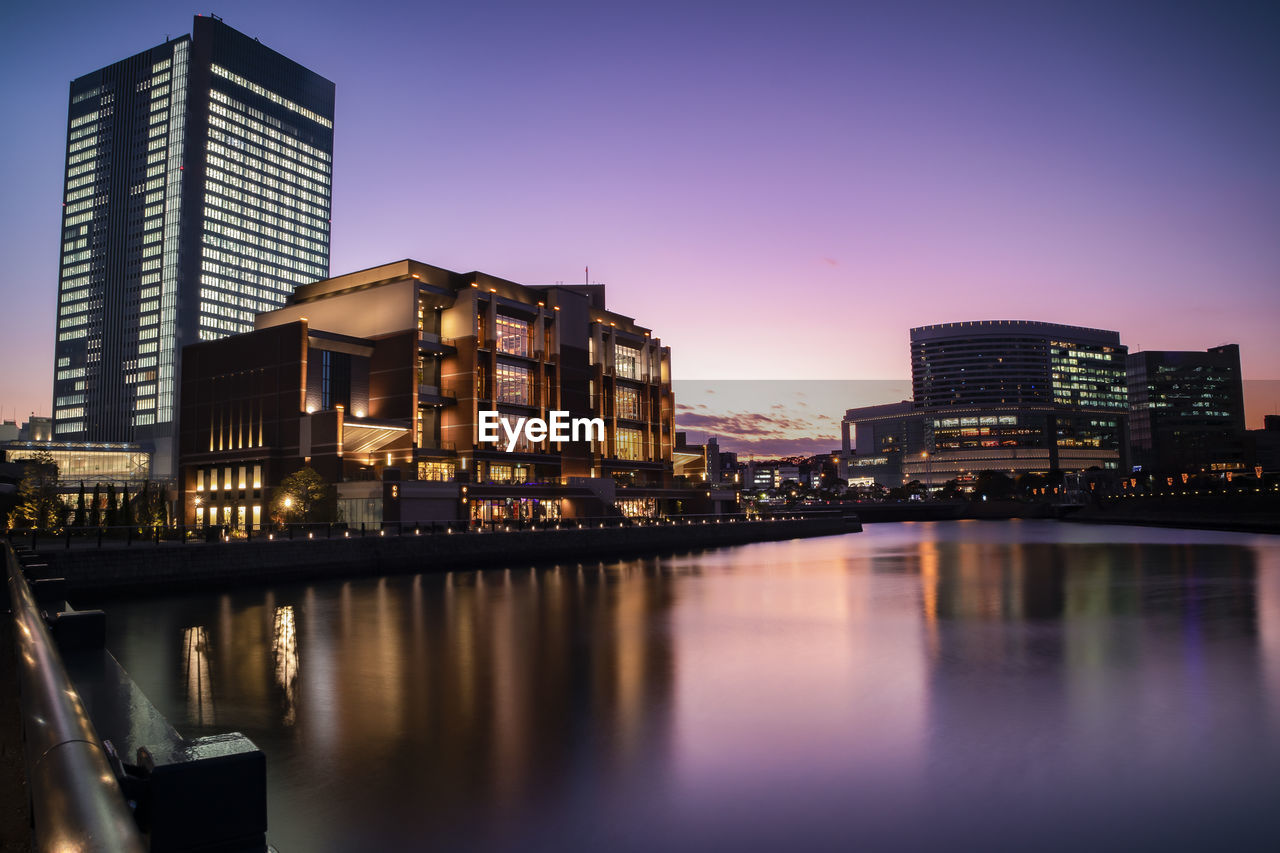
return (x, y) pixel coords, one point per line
(149, 507)
(95, 514)
(38, 503)
(908, 491)
(303, 496)
(126, 509)
(82, 515)
(111, 505)
(993, 485)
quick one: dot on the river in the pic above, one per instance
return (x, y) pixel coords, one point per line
(1018, 685)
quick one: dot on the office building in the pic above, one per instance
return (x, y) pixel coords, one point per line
(1003, 395)
(377, 380)
(196, 195)
(1186, 410)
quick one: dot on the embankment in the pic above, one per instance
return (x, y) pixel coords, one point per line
(170, 567)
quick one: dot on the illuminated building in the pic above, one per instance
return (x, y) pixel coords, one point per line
(1186, 410)
(118, 464)
(377, 378)
(196, 194)
(1003, 395)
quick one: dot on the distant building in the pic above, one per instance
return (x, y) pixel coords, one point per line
(196, 194)
(1264, 445)
(377, 380)
(705, 463)
(36, 429)
(1004, 395)
(1186, 410)
(769, 476)
(876, 439)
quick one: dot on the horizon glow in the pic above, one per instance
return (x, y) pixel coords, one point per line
(780, 192)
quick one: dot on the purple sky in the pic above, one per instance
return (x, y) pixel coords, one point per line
(780, 190)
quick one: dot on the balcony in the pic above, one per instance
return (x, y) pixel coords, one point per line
(434, 449)
(436, 345)
(434, 395)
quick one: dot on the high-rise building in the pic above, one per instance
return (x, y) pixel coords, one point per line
(1002, 395)
(197, 194)
(1186, 410)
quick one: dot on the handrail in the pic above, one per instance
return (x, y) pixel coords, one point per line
(76, 802)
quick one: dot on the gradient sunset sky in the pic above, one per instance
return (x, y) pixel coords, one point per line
(781, 190)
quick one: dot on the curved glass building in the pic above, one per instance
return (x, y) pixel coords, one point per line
(1013, 396)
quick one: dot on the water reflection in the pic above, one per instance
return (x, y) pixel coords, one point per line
(1025, 686)
(284, 646)
(199, 689)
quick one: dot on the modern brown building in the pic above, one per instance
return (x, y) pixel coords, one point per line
(379, 380)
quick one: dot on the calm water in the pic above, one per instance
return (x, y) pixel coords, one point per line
(970, 685)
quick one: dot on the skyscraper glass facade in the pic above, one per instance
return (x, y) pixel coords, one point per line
(197, 194)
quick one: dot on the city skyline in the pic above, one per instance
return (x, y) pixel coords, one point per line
(801, 176)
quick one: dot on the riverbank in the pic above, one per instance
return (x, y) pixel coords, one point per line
(169, 567)
(1237, 522)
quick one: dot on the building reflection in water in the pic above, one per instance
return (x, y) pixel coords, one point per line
(195, 677)
(284, 647)
(1111, 674)
(453, 699)
(814, 694)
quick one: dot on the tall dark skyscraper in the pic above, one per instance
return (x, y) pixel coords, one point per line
(1187, 410)
(197, 194)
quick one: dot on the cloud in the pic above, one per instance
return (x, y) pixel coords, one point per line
(739, 424)
(774, 448)
(831, 262)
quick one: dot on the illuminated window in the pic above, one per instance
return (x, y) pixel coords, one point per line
(628, 403)
(629, 444)
(513, 336)
(626, 361)
(513, 384)
(436, 472)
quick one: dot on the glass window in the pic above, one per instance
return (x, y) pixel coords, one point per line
(513, 336)
(629, 444)
(626, 361)
(436, 472)
(506, 427)
(513, 384)
(628, 403)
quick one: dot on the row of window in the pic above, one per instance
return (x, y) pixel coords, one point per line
(226, 107)
(229, 478)
(272, 96)
(254, 177)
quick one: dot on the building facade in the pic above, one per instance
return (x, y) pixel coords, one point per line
(196, 195)
(380, 379)
(1186, 410)
(1002, 395)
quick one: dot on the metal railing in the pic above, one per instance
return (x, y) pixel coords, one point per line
(76, 802)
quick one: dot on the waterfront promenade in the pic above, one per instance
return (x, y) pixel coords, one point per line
(146, 566)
